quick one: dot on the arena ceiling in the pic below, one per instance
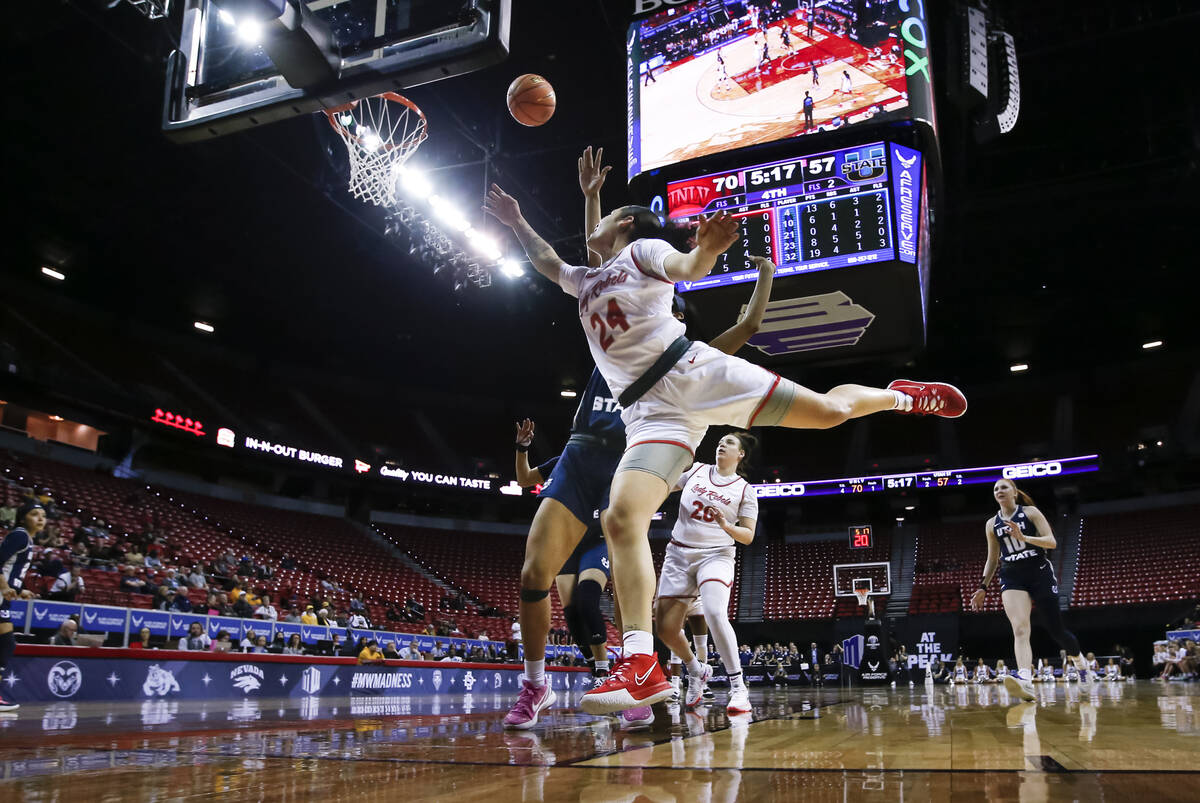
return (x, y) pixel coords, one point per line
(1065, 244)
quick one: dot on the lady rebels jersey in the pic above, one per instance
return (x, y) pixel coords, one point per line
(703, 491)
(625, 309)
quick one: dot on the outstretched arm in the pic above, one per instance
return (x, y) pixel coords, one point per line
(504, 208)
(591, 179)
(736, 336)
(715, 234)
(526, 476)
(989, 568)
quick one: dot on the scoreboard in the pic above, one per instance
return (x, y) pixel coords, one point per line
(926, 480)
(861, 536)
(822, 211)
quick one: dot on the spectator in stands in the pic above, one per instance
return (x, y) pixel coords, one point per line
(293, 616)
(356, 604)
(428, 630)
(223, 642)
(196, 579)
(79, 554)
(131, 583)
(260, 644)
(179, 601)
(133, 557)
(162, 600)
(266, 610)
(370, 653)
(264, 572)
(295, 646)
(412, 652)
(309, 617)
(438, 652)
(65, 637)
(8, 516)
(358, 621)
(389, 651)
(153, 561)
(324, 619)
(414, 610)
(248, 642)
(452, 654)
(196, 639)
(67, 586)
(242, 608)
(142, 642)
(392, 615)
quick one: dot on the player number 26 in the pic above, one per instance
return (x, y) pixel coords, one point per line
(613, 319)
(702, 512)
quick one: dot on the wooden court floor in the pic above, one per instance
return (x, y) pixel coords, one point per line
(1129, 742)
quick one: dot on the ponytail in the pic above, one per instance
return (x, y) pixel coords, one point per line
(647, 224)
(1023, 498)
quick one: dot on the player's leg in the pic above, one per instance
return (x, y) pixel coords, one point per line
(8, 645)
(699, 628)
(668, 620)
(1017, 606)
(1051, 618)
(587, 611)
(553, 535)
(794, 406)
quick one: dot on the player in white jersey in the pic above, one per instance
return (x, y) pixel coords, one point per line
(718, 509)
(671, 390)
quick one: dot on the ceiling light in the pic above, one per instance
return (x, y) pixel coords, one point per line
(1019, 367)
(370, 140)
(249, 31)
(567, 394)
(899, 518)
(511, 268)
(53, 274)
(910, 507)
(56, 418)
(204, 327)
(416, 183)
(1153, 344)
(225, 17)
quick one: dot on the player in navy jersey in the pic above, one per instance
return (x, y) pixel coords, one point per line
(15, 552)
(577, 487)
(1018, 537)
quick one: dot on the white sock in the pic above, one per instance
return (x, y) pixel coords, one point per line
(676, 680)
(535, 672)
(637, 642)
(1025, 674)
(695, 668)
(735, 682)
(701, 644)
(903, 401)
(602, 665)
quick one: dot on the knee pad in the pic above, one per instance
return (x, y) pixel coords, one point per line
(578, 633)
(533, 595)
(587, 606)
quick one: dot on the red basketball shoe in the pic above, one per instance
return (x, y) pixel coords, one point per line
(635, 681)
(932, 398)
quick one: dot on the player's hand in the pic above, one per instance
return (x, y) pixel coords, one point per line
(717, 232)
(524, 432)
(10, 594)
(591, 174)
(977, 599)
(502, 206)
(765, 266)
(718, 517)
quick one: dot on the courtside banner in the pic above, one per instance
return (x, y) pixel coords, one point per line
(46, 674)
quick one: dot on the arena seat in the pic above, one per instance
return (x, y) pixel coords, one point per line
(799, 581)
(1138, 557)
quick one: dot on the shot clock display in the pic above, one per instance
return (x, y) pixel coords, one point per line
(829, 210)
(861, 536)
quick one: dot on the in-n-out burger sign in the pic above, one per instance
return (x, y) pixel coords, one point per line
(448, 480)
(1046, 469)
(293, 453)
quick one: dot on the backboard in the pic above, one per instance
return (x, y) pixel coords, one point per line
(222, 80)
(877, 575)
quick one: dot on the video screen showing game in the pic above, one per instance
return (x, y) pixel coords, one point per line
(716, 75)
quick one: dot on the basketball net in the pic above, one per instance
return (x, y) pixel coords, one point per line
(863, 595)
(381, 134)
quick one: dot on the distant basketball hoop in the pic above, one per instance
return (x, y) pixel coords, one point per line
(381, 134)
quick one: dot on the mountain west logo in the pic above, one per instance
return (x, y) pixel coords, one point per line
(793, 325)
(64, 679)
(310, 680)
(160, 682)
(246, 677)
(437, 680)
(872, 642)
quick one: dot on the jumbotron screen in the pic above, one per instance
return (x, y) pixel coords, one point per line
(836, 209)
(716, 75)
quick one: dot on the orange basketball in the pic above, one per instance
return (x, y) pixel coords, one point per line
(531, 100)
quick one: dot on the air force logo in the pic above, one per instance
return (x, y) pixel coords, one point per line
(64, 679)
(908, 163)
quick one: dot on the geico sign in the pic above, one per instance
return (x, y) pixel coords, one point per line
(780, 489)
(1032, 470)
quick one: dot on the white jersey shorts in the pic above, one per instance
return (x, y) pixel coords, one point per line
(705, 388)
(687, 568)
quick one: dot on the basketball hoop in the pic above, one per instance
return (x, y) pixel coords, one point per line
(381, 134)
